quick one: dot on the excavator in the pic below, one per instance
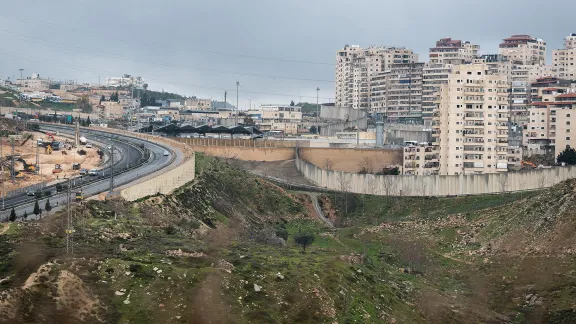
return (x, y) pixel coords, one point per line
(527, 163)
(48, 149)
(28, 137)
(57, 169)
(27, 167)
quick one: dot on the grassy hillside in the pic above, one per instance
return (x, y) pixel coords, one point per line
(222, 250)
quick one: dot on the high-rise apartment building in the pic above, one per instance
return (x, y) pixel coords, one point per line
(524, 49)
(355, 66)
(551, 113)
(453, 51)
(397, 92)
(470, 125)
(565, 59)
(443, 56)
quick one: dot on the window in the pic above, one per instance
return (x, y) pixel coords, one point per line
(567, 138)
(567, 123)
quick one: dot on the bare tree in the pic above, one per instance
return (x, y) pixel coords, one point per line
(327, 164)
(541, 182)
(388, 185)
(344, 186)
(366, 165)
(503, 182)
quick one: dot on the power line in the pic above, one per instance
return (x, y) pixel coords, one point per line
(98, 72)
(156, 45)
(61, 46)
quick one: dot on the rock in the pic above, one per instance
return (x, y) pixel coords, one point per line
(257, 288)
(128, 273)
(159, 271)
(119, 293)
(155, 269)
(225, 266)
(528, 296)
(280, 276)
(178, 317)
(359, 271)
(127, 301)
(161, 305)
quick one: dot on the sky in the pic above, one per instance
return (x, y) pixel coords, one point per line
(278, 50)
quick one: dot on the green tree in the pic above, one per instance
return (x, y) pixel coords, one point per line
(84, 104)
(47, 206)
(102, 99)
(88, 122)
(567, 156)
(25, 216)
(12, 215)
(37, 210)
(292, 103)
(304, 240)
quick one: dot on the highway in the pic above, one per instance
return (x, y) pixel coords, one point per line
(133, 159)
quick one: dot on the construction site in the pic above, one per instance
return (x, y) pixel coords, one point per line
(29, 157)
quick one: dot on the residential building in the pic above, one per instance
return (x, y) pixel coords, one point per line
(550, 115)
(397, 92)
(277, 117)
(446, 53)
(355, 66)
(565, 59)
(194, 103)
(420, 160)
(470, 125)
(524, 49)
(34, 83)
(453, 51)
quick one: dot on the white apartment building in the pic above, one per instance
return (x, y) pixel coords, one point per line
(470, 125)
(524, 49)
(397, 92)
(446, 53)
(565, 59)
(355, 66)
(34, 83)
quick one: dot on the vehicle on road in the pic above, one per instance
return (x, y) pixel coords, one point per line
(61, 187)
(93, 172)
(30, 193)
(88, 145)
(166, 153)
(79, 196)
(84, 172)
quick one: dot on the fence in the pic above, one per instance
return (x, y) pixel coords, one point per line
(241, 142)
(434, 185)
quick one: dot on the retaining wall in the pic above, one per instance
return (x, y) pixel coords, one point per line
(241, 142)
(351, 160)
(434, 185)
(164, 183)
(248, 153)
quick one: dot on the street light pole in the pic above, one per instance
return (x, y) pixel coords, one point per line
(2, 170)
(317, 111)
(237, 103)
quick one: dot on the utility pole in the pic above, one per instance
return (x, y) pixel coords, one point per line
(37, 158)
(2, 170)
(236, 119)
(111, 168)
(21, 75)
(317, 111)
(12, 165)
(69, 229)
(225, 99)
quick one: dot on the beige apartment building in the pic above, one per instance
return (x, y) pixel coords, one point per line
(355, 67)
(446, 53)
(420, 160)
(397, 92)
(277, 118)
(551, 115)
(524, 50)
(565, 59)
(470, 130)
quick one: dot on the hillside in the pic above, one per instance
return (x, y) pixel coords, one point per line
(222, 250)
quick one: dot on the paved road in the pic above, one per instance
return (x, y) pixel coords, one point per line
(128, 152)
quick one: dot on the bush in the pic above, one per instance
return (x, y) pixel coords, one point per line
(281, 231)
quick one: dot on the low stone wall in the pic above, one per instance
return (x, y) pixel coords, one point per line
(434, 185)
(164, 183)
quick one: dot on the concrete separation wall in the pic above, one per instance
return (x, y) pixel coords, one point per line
(248, 153)
(241, 142)
(434, 185)
(333, 128)
(351, 160)
(164, 183)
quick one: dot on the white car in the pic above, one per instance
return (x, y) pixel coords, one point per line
(93, 172)
(166, 153)
(88, 145)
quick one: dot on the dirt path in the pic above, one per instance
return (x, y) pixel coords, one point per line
(451, 258)
(5, 227)
(316, 204)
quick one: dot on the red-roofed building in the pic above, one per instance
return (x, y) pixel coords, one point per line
(524, 49)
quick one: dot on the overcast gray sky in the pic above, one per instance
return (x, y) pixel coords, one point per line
(178, 45)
